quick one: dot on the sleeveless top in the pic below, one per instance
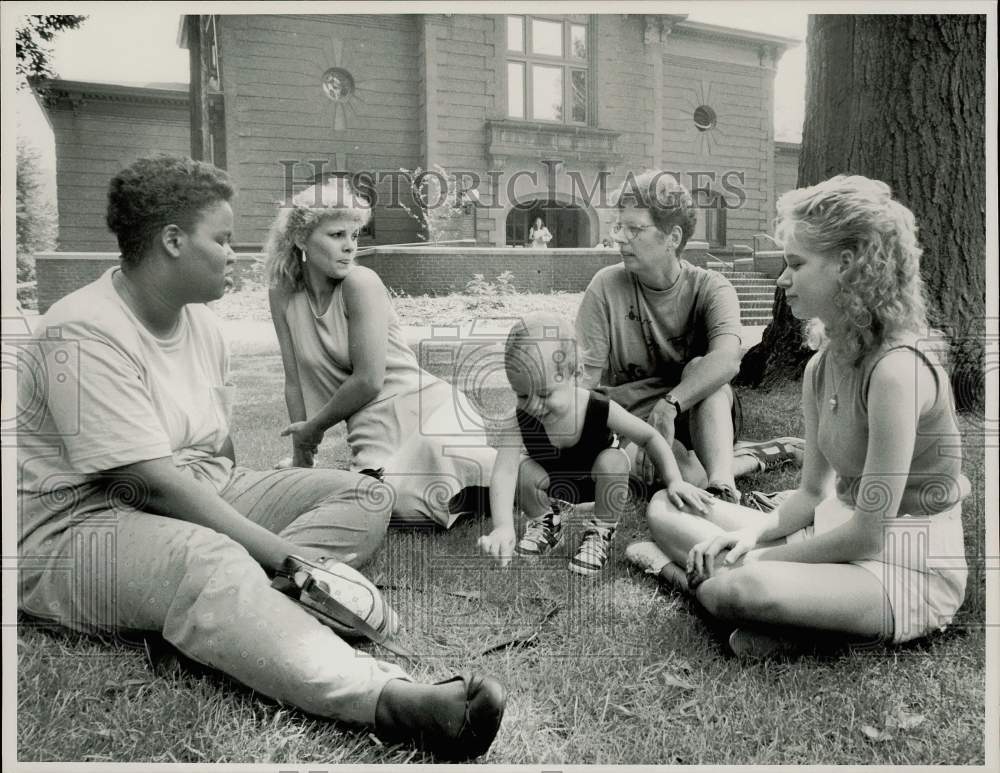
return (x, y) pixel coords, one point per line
(577, 459)
(934, 481)
(322, 351)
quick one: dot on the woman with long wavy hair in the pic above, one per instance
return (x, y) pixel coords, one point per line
(870, 545)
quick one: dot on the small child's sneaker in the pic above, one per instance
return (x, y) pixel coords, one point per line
(541, 535)
(646, 556)
(593, 553)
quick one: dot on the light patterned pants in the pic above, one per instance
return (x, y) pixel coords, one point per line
(128, 570)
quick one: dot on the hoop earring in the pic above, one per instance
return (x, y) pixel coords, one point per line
(304, 258)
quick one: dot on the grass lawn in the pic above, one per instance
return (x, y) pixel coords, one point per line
(616, 670)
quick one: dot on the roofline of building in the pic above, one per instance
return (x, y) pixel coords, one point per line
(112, 92)
(696, 27)
(714, 30)
(46, 89)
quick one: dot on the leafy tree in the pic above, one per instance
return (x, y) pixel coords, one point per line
(32, 44)
(35, 219)
(437, 199)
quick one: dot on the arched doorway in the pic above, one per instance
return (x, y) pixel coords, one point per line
(569, 223)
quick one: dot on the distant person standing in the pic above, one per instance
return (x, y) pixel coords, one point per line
(539, 235)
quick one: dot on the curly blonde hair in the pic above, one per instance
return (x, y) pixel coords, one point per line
(880, 292)
(298, 219)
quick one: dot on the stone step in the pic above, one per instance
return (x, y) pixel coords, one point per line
(755, 321)
(753, 282)
(722, 268)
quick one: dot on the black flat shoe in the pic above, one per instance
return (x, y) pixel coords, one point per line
(485, 699)
(452, 725)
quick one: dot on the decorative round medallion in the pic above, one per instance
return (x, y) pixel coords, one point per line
(704, 118)
(338, 84)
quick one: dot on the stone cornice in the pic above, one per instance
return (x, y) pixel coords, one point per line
(75, 93)
(82, 91)
(528, 139)
(386, 20)
(729, 34)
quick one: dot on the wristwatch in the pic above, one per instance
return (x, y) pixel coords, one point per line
(672, 401)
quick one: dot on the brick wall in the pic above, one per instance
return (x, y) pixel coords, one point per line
(444, 269)
(414, 270)
(60, 273)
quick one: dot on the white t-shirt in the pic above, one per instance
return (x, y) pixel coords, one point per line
(97, 390)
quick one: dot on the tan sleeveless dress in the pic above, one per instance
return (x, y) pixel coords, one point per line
(417, 430)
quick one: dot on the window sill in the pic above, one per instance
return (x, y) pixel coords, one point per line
(516, 138)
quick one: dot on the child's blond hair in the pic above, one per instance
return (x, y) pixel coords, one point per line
(523, 350)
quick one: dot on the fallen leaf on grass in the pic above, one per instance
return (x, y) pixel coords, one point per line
(875, 734)
(900, 720)
(684, 707)
(904, 720)
(622, 710)
(675, 681)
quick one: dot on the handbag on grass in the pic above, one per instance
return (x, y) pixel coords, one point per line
(340, 597)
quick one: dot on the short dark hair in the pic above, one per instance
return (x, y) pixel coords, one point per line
(159, 191)
(669, 203)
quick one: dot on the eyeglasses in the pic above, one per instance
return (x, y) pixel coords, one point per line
(626, 233)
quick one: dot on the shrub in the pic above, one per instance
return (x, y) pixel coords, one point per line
(486, 295)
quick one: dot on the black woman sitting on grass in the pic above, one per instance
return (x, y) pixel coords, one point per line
(880, 555)
(143, 462)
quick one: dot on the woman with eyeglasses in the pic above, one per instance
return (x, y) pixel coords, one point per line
(662, 336)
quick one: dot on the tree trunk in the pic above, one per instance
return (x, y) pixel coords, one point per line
(902, 99)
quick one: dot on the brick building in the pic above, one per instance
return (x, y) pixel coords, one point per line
(543, 109)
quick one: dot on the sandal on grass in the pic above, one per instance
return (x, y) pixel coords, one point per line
(772, 454)
(724, 492)
(759, 500)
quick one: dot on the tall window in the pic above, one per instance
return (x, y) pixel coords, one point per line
(547, 69)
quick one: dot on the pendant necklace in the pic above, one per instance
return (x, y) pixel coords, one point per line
(834, 402)
(312, 307)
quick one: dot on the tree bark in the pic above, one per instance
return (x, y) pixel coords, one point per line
(902, 99)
